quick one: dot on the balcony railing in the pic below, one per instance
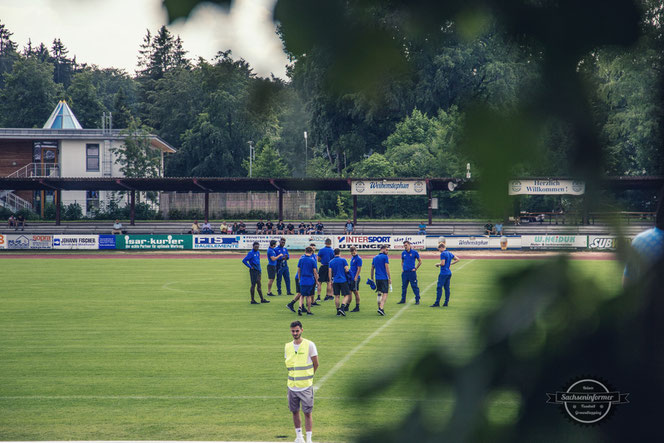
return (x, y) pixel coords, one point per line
(37, 170)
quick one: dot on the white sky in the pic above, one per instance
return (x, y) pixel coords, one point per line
(108, 33)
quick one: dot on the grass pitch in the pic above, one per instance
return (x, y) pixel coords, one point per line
(171, 349)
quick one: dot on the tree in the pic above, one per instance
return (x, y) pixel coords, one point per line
(85, 101)
(268, 162)
(122, 116)
(8, 54)
(30, 94)
(137, 158)
(63, 67)
(160, 53)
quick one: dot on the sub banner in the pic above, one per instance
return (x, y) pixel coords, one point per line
(217, 241)
(154, 242)
(29, 241)
(554, 241)
(416, 241)
(476, 242)
(606, 242)
(75, 242)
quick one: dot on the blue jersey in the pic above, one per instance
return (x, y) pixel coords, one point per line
(271, 253)
(379, 263)
(283, 261)
(307, 264)
(355, 263)
(253, 260)
(325, 254)
(445, 268)
(409, 258)
(338, 267)
(649, 246)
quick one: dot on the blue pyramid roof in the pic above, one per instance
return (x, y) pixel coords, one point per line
(62, 117)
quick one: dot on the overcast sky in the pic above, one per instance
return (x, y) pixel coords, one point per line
(108, 33)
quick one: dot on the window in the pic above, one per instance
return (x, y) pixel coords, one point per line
(91, 202)
(92, 158)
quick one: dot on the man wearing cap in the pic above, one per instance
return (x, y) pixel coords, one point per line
(302, 362)
(409, 272)
(380, 266)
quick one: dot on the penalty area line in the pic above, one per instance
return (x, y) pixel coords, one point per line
(377, 332)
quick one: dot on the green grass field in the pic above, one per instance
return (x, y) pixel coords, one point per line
(170, 349)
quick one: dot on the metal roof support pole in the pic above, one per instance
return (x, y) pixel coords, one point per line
(429, 197)
(207, 206)
(354, 210)
(132, 207)
(57, 207)
(280, 193)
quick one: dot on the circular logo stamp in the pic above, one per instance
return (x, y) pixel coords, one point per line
(587, 400)
(418, 187)
(578, 186)
(359, 187)
(516, 185)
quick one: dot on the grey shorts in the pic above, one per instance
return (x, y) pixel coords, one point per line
(305, 397)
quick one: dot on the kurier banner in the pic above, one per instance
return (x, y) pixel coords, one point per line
(217, 242)
(554, 241)
(29, 241)
(154, 242)
(476, 242)
(388, 187)
(75, 242)
(546, 187)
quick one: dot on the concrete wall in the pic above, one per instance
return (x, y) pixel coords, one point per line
(297, 205)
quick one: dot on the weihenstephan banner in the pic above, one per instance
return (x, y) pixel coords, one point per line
(546, 187)
(388, 187)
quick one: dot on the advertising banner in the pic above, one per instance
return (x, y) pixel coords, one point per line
(546, 187)
(154, 242)
(217, 241)
(75, 242)
(107, 241)
(361, 241)
(554, 241)
(3, 241)
(294, 242)
(606, 242)
(416, 241)
(476, 242)
(388, 187)
(29, 241)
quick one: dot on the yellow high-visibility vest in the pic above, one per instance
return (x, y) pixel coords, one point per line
(300, 372)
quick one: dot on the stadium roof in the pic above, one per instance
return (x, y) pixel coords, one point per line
(62, 117)
(233, 184)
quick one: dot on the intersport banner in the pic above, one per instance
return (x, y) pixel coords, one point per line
(217, 241)
(554, 241)
(375, 241)
(153, 242)
(75, 242)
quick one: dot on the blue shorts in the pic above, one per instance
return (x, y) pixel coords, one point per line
(307, 290)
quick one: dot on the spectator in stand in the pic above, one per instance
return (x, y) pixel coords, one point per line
(310, 228)
(281, 227)
(350, 227)
(319, 227)
(195, 228)
(20, 220)
(488, 228)
(269, 227)
(242, 228)
(223, 228)
(235, 228)
(290, 228)
(207, 228)
(422, 229)
(260, 227)
(498, 228)
(12, 221)
(117, 228)
(302, 228)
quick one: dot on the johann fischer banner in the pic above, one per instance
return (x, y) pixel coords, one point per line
(546, 187)
(388, 187)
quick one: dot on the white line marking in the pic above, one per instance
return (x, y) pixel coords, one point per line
(168, 286)
(193, 397)
(343, 361)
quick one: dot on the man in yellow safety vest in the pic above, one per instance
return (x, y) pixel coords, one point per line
(302, 362)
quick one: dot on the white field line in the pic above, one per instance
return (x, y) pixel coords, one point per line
(193, 397)
(375, 333)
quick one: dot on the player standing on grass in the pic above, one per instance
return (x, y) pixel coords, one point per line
(302, 362)
(338, 272)
(380, 265)
(282, 266)
(325, 254)
(307, 275)
(354, 284)
(447, 259)
(272, 259)
(409, 272)
(253, 262)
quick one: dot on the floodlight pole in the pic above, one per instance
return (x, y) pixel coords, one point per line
(251, 156)
(306, 153)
